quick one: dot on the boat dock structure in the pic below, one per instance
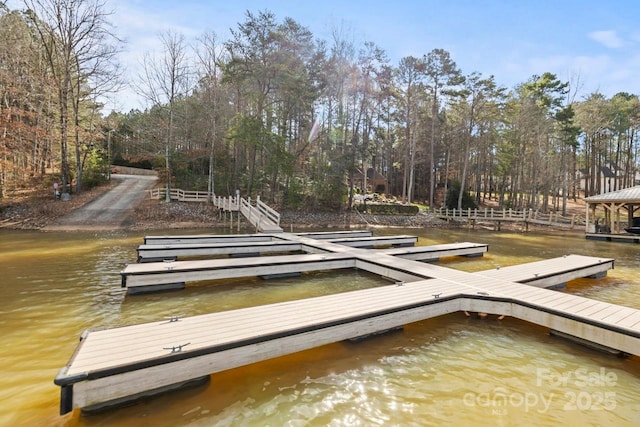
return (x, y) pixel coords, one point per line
(117, 365)
(275, 244)
(161, 276)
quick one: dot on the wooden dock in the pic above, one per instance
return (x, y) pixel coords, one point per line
(162, 276)
(116, 365)
(201, 247)
(553, 273)
(154, 253)
(435, 252)
(207, 238)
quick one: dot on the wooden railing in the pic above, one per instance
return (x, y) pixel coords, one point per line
(180, 195)
(531, 216)
(259, 214)
(269, 212)
(226, 203)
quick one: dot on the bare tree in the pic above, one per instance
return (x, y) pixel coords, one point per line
(80, 49)
(162, 80)
(209, 52)
(409, 75)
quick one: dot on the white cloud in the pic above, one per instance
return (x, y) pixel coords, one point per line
(607, 38)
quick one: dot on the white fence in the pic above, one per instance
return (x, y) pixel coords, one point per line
(529, 215)
(258, 213)
(180, 195)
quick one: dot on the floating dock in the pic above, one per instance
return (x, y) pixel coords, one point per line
(161, 276)
(256, 237)
(116, 365)
(202, 247)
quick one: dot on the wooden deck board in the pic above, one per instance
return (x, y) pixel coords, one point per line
(123, 345)
(226, 263)
(545, 299)
(590, 310)
(564, 268)
(523, 292)
(320, 235)
(434, 252)
(631, 321)
(602, 315)
(620, 315)
(207, 238)
(229, 246)
(594, 310)
(571, 305)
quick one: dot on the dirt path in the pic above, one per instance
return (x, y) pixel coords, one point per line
(112, 210)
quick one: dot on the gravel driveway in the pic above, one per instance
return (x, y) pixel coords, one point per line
(110, 211)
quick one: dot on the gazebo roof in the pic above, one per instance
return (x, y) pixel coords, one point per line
(628, 195)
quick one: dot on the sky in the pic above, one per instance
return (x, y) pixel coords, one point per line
(594, 44)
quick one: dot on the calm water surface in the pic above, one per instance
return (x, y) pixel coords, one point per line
(451, 370)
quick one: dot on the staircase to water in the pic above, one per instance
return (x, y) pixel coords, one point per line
(258, 213)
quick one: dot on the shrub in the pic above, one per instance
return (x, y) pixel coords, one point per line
(451, 199)
(388, 209)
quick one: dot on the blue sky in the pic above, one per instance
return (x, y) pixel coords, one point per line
(595, 44)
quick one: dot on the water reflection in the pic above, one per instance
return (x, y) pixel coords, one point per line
(451, 370)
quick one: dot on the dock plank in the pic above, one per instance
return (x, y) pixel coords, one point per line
(435, 252)
(207, 238)
(601, 315)
(630, 321)
(620, 315)
(221, 328)
(552, 272)
(180, 250)
(590, 310)
(571, 305)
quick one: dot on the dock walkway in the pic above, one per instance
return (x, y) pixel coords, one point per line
(163, 275)
(115, 365)
(259, 245)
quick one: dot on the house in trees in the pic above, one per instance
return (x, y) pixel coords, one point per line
(610, 177)
(375, 181)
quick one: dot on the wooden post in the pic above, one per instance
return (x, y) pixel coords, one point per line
(586, 218)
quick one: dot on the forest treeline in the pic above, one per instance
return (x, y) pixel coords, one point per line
(275, 112)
